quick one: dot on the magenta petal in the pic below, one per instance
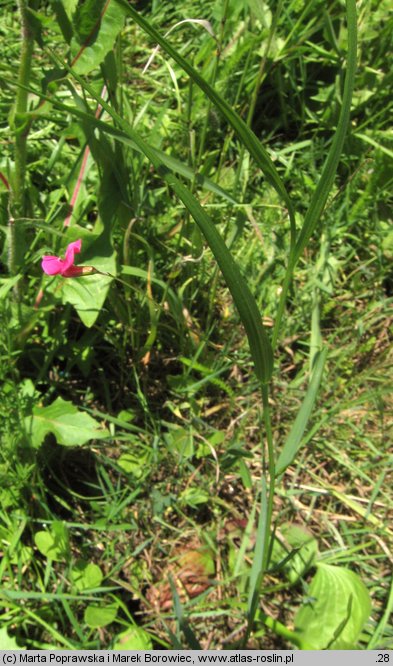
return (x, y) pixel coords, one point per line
(56, 266)
(52, 265)
(72, 249)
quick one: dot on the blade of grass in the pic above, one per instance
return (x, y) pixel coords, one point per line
(258, 340)
(264, 534)
(294, 439)
(325, 183)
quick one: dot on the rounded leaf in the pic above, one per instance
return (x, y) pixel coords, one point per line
(337, 608)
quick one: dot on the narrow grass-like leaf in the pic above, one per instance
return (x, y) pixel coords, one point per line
(294, 439)
(243, 132)
(257, 337)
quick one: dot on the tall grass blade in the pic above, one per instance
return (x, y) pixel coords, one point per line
(246, 136)
(294, 439)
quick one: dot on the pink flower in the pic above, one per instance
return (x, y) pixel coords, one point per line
(65, 267)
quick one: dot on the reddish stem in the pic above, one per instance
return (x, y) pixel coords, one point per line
(82, 170)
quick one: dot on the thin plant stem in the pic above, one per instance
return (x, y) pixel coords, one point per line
(281, 630)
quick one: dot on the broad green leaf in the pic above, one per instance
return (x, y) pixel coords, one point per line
(295, 539)
(96, 25)
(54, 544)
(87, 19)
(70, 426)
(69, 7)
(88, 293)
(8, 642)
(294, 439)
(100, 616)
(86, 575)
(22, 554)
(338, 607)
(63, 17)
(134, 638)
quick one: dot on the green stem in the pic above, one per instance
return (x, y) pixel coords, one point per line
(281, 630)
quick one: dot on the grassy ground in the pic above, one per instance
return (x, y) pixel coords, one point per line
(139, 529)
